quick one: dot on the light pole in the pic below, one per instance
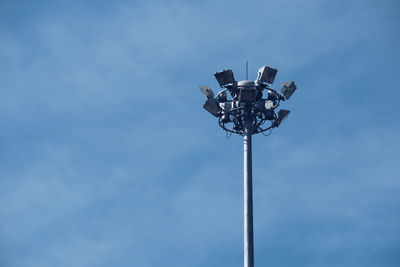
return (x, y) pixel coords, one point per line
(245, 114)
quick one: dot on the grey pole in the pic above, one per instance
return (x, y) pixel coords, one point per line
(248, 202)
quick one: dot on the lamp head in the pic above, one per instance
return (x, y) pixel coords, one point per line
(224, 77)
(212, 106)
(288, 89)
(206, 90)
(266, 75)
(247, 91)
(281, 116)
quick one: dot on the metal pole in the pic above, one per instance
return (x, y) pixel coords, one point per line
(248, 203)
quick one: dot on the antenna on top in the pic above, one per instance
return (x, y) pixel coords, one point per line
(247, 70)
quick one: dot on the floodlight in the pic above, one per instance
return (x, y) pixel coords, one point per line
(288, 89)
(206, 90)
(281, 116)
(212, 106)
(266, 74)
(247, 95)
(224, 77)
(247, 91)
(241, 106)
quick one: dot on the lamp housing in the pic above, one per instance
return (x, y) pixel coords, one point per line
(247, 95)
(212, 106)
(288, 89)
(247, 91)
(281, 116)
(224, 77)
(206, 90)
(266, 74)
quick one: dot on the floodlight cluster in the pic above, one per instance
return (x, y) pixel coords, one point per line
(249, 104)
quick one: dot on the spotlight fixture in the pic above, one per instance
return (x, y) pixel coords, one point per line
(206, 90)
(281, 116)
(266, 75)
(247, 95)
(212, 106)
(224, 77)
(249, 104)
(288, 89)
(247, 91)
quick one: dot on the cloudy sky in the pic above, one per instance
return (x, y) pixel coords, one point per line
(107, 157)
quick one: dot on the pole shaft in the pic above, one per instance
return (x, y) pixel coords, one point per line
(248, 203)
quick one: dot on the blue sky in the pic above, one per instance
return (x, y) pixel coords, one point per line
(107, 157)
